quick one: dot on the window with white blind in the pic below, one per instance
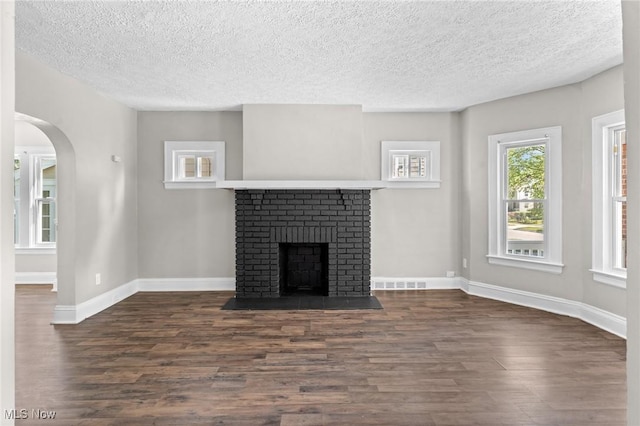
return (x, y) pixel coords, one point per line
(609, 177)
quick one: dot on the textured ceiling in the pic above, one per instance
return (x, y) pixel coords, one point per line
(405, 56)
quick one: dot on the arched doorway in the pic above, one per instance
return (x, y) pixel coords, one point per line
(66, 207)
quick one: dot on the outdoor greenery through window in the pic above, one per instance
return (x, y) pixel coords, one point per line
(524, 199)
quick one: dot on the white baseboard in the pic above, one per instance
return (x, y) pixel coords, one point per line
(187, 284)
(600, 318)
(74, 314)
(35, 278)
(424, 283)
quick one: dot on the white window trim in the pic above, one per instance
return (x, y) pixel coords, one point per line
(601, 266)
(215, 148)
(387, 150)
(552, 262)
(28, 240)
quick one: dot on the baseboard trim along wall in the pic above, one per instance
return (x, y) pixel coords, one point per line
(187, 284)
(74, 314)
(602, 319)
(35, 277)
(615, 324)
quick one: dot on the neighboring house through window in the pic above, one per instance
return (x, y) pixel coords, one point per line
(609, 166)
(525, 206)
(35, 191)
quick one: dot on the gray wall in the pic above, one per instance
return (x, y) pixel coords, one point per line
(295, 142)
(186, 233)
(100, 233)
(415, 232)
(571, 107)
(190, 233)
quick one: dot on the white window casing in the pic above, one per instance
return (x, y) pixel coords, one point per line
(193, 164)
(547, 254)
(410, 164)
(604, 223)
(35, 201)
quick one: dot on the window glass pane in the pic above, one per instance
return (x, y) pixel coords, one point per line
(205, 166)
(187, 166)
(47, 186)
(525, 228)
(16, 200)
(525, 172)
(418, 165)
(620, 234)
(46, 221)
(400, 166)
(620, 162)
(45, 201)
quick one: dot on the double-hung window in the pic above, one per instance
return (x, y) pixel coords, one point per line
(35, 191)
(525, 199)
(609, 177)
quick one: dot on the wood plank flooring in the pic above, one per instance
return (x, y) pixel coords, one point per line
(428, 358)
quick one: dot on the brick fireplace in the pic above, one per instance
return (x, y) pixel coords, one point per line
(303, 242)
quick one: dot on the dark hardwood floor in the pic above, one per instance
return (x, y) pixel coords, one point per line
(428, 358)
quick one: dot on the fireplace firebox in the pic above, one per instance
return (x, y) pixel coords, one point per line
(303, 269)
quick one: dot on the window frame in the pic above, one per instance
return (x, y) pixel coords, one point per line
(174, 150)
(497, 215)
(29, 221)
(430, 149)
(603, 194)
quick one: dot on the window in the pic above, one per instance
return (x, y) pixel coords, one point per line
(193, 164)
(525, 199)
(411, 164)
(35, 190)
(609, 176)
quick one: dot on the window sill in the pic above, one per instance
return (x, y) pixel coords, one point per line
(415, 184)
(208, 184)
(536, 265)
(610, 278)
(35, 250)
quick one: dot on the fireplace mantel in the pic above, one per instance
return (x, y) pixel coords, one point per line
(301, 184)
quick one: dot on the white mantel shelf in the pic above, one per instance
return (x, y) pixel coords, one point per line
(301, 184)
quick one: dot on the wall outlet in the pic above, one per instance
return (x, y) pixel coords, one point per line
(464, 262)
(451, 274)
(98, 279)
